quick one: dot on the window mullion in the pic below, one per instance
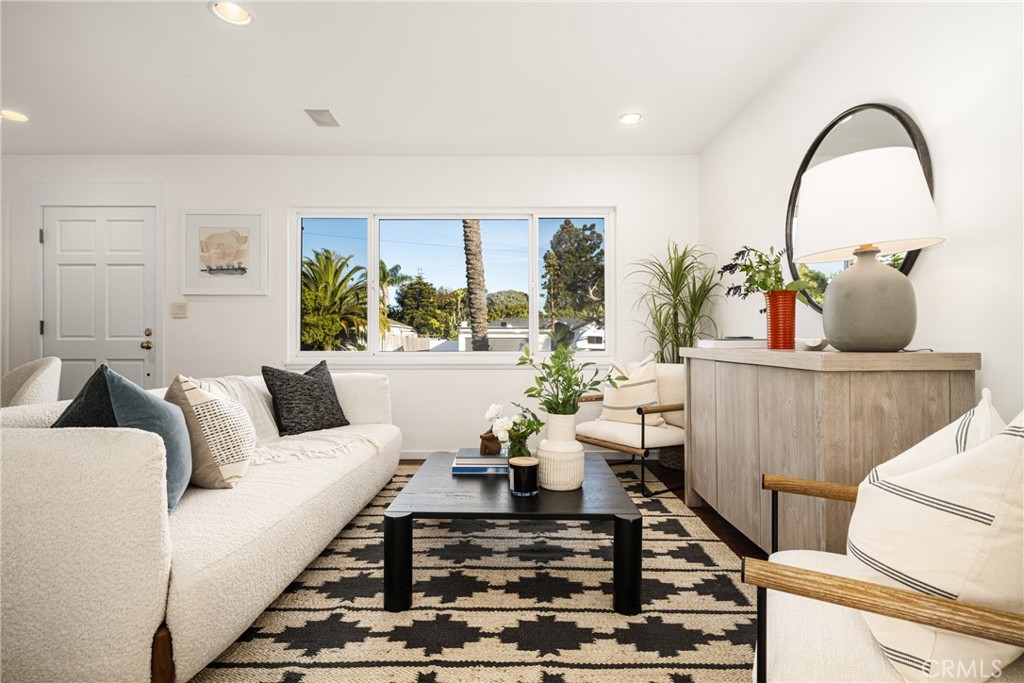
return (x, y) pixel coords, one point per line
(534, 286)
(373, 340)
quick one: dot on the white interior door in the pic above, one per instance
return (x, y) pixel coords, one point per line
(99, 292)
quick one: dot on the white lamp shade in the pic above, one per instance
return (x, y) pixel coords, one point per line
(875, 196)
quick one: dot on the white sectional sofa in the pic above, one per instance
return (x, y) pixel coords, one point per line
(93, 564)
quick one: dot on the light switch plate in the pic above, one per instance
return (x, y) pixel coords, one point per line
(179, 309)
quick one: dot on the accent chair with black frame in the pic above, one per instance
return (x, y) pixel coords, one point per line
(638, 439)
(810, 635)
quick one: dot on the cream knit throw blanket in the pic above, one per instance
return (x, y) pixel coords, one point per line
(270, 447)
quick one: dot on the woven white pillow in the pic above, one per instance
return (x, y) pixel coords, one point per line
(954, 529)
(221, 433)
(640, 388)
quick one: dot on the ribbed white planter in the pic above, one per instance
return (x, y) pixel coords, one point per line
(560, 455)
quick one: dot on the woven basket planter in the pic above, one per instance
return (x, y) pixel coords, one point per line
(671, 457)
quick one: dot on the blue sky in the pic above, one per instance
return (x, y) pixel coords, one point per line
(435, 248)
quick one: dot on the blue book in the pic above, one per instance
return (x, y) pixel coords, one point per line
(470, 469)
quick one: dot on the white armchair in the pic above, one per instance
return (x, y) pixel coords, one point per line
(638, 440)
(37, 381)
(809, 624)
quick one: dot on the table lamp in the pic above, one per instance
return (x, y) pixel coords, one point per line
(868, 203)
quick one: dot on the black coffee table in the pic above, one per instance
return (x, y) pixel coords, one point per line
(435, 493)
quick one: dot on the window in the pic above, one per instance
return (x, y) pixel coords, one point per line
(448, 285)
(572, 278)
(334, 284)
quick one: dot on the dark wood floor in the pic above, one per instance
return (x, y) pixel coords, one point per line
(737, 542)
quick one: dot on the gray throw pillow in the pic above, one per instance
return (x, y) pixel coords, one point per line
(108, 393)
(306, 402)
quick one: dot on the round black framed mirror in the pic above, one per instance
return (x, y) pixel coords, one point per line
(866, 126)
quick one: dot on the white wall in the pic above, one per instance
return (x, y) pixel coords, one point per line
(655, 199)
(957, 69)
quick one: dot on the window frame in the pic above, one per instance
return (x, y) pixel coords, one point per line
(373, 356)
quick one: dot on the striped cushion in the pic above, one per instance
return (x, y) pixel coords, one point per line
(976, 426)
(640, 388)
(954, 529)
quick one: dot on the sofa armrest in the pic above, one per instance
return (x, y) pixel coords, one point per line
(365, 397)
(85, 553)
(37, 415)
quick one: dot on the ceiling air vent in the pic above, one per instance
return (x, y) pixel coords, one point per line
(323, 118)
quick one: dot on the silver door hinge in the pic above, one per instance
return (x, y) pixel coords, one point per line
(42, 326)
(40, 235)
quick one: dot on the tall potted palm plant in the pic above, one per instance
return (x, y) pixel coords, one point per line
(679, 291)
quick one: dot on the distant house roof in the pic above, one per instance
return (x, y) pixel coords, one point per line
(395, 325)
(545, 322)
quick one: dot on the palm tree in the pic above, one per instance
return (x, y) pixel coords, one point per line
(389, 277)
(475, 286)
(333, 301)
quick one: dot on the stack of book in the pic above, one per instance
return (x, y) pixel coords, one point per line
(469, 461)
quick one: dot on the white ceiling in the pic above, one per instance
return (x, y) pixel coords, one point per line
(402, 78)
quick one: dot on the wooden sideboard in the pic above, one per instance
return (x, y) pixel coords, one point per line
(812, 414)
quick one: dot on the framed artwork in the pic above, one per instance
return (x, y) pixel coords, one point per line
(224, 252)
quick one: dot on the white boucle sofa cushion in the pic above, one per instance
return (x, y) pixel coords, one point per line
(236, 550)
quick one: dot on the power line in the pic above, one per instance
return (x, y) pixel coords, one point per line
(416, 244)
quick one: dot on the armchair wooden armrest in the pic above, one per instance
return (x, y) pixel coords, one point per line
(809, 487)
(959, 617)
(659, 408)
(589, 398)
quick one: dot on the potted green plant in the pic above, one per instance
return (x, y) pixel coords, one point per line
(762, 272)
(559, 384)
(561, 380)
(678, 293)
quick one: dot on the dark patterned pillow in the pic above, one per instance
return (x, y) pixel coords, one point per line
(306, 402)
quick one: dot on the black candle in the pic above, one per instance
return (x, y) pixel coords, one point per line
(522, 476)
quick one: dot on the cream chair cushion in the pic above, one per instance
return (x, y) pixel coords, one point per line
(818, 642)
(672, 389)
(629, 435)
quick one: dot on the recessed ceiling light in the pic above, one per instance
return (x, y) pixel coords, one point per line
(231, 12)
(12, 115)
(631, 119)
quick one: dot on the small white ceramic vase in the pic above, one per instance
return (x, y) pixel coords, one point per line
(560, 455)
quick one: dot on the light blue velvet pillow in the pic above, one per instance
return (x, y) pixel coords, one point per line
(134, 408)
(110, 400)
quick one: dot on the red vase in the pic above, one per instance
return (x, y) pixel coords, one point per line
(781, 319)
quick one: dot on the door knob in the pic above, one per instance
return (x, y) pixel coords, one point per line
(146, 344)
(148, 332)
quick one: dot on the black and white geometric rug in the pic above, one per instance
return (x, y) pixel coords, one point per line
(506, 602)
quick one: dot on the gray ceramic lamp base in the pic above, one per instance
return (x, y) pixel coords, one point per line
(869, 307)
